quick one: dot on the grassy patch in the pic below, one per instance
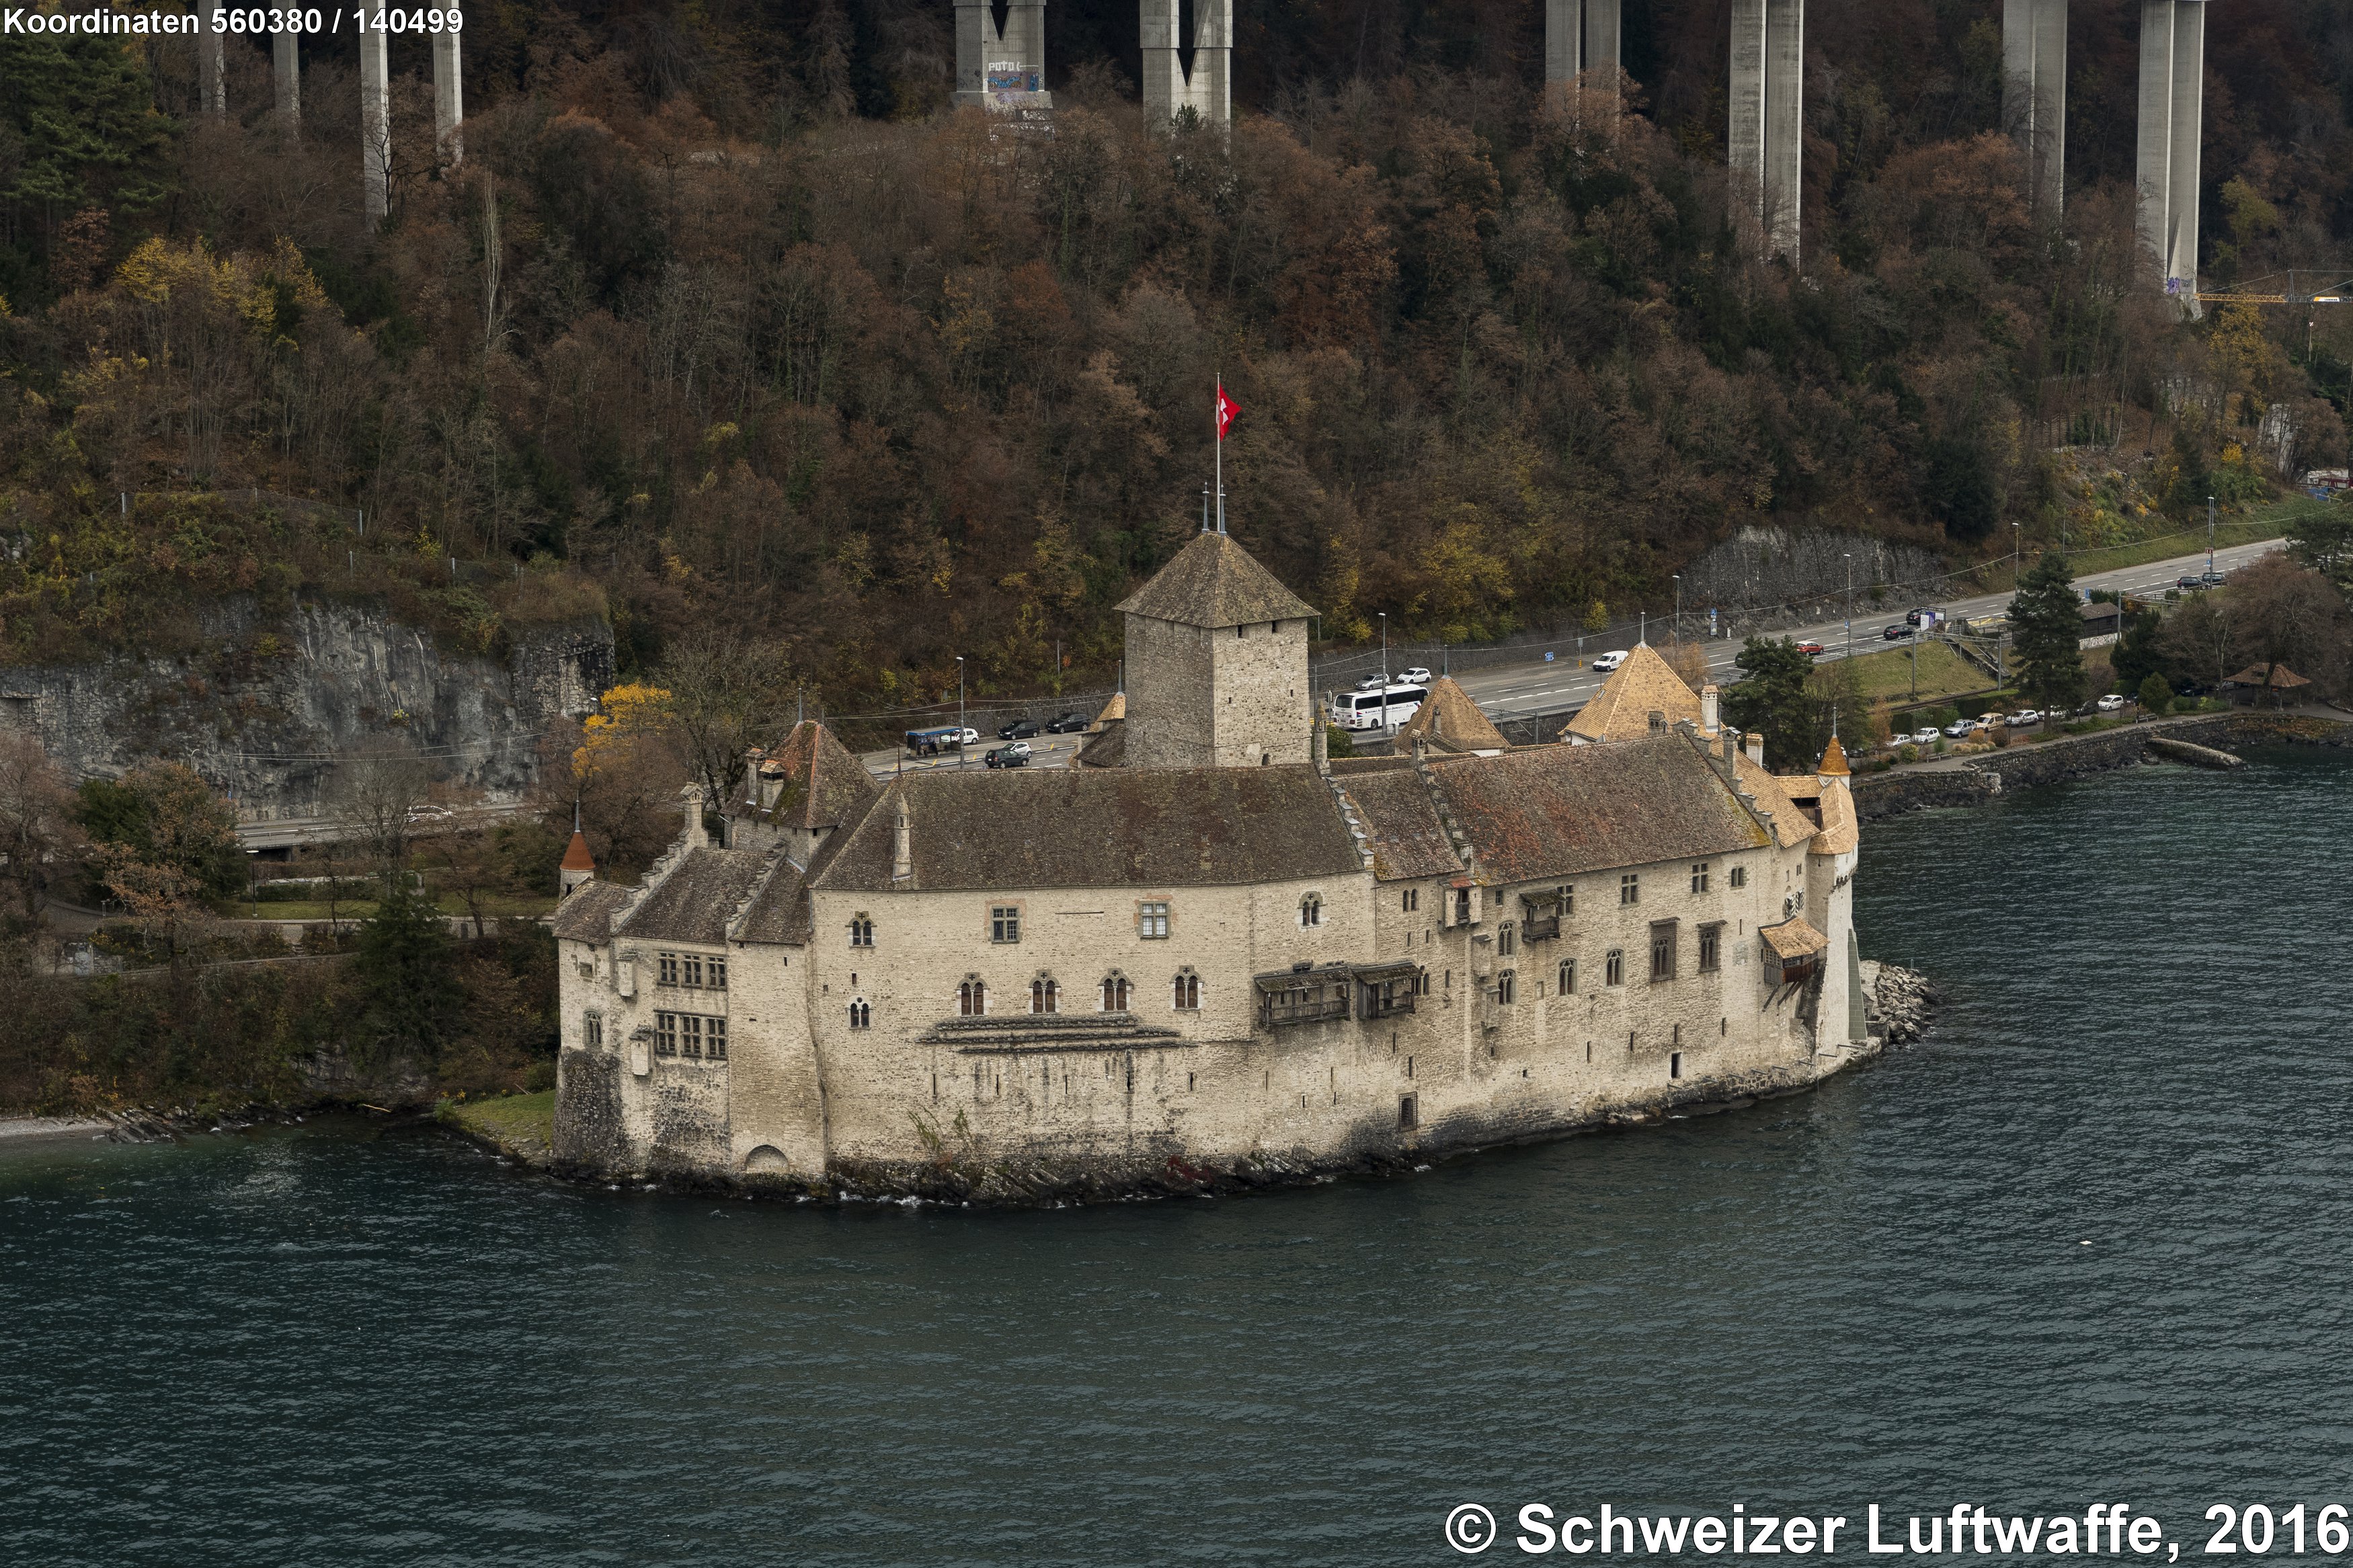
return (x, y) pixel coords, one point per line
(2267, 523)
(522, 1125)
(1943, 673)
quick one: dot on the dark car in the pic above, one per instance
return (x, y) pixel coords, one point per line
(1914, 617)
(1898, 633)
(2212, 580)
(1067, 724)
(2191, 582)
(1014, 757)
(1020, 730)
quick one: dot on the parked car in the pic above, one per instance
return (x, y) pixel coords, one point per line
(1611, 660)
(2192, 581)
(2026, 716)
(1020, 730)
(1898, 633)
(1016, 755)
(1417, 676)
(1992, 721)
(1812, 649)
(1372, 682)
(1962, 729)
(1927, 737)
(2211, 579)
(1067, 724)
(2111, 702)
(1913, 618)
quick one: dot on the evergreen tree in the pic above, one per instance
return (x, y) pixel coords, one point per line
(1775, 702)
(409, 989)
(2137, 654)
(2047, 633)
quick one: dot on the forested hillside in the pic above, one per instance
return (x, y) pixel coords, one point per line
(725, 310)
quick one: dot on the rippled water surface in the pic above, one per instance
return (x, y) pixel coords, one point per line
(305, 1347)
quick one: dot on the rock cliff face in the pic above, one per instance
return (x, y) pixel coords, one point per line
(263, 710)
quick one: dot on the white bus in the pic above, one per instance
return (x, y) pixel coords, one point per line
(1364, 709)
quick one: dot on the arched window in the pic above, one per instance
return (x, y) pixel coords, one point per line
(1114, 992)
(1507, 987)
(972, 999)
(862, 1017)
(1568, 977)
(1311, 910)
(1188, 991)
(1045, 996)
(862, 932)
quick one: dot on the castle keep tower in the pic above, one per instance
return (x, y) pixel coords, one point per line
(1216, 663)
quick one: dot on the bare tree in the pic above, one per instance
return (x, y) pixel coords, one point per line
(39, 840)
(726, 690)
(372, 803)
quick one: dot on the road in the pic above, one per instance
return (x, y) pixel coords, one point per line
(1516, 691)
(1522, 690)
(292, 831)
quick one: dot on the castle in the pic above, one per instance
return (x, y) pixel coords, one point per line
(1210, 948)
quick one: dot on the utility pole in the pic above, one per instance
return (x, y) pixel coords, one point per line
(960, 724)
(2210, 536)
(1850, 605)
(1384, 615)
(1679, 606)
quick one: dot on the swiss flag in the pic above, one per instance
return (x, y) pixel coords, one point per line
(1227, 409)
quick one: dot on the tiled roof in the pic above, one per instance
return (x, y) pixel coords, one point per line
(576, 856)
(1834, 764)
(1791, 827)
(1793, 938)
(1841, 834)
(1645, 684)
(822, 785)
(696, 900)
(586, 912)
(2279, 676)
(1407, 838)
(1096, 827)
(1113, 711)
(780, 909)
(1550, 811)
(1214, 582)
(1450, 719)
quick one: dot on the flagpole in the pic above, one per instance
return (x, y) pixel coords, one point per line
(1217, 430)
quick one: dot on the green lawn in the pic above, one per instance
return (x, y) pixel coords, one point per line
(2265, 524)
(1943, 673)
(522, 1125)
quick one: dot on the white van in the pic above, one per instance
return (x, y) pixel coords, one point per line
(1365, 709)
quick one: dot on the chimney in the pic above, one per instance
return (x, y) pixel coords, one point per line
(902, 846)
(1756, 748)
(1728, 743)
(691, 800)
(1710, 707)
(1658, 722)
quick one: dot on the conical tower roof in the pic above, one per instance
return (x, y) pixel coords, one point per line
(1834, 760)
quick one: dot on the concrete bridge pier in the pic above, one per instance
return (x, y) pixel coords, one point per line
(212, 72)
(1015, 57)
(1580, 35)
(286, 73)
(448, 98)
(2034, 95)
(2172, 112)
(1767, 114)
(1169, 89)
(376, 124)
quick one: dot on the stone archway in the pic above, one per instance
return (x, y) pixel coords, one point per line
(767, 1160)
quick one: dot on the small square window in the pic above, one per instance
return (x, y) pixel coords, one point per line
(665, 1034)
(1005, 922)
(666, 970)
(714, 1039)
(690, 967)
(1699, 878)
(689, 1036)
(1630, 888)
(1152, 921)
(1739, 876)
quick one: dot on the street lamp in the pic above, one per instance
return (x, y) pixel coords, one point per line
(960, 724)
(1679, 606)
(1384, 616)
(2210, 536)
(1850, 605)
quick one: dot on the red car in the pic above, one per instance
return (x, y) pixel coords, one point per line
(1814, 648)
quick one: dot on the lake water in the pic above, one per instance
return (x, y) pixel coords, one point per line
(303, 1347)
